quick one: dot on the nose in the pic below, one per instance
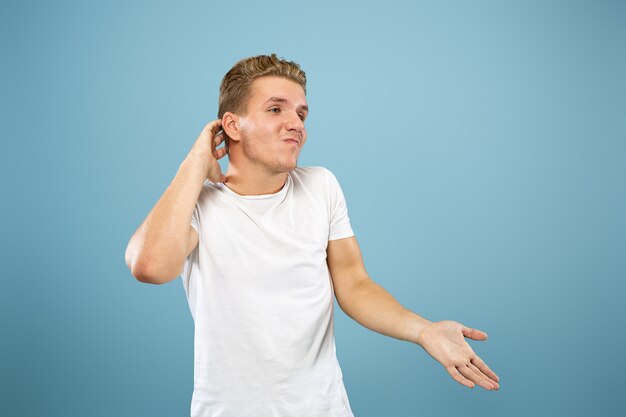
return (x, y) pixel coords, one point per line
(295, 123)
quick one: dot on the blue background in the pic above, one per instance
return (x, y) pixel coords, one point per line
(481, 147)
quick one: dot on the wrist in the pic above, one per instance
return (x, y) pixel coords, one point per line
(418, 324)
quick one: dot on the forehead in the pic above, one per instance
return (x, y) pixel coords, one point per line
(263, 88)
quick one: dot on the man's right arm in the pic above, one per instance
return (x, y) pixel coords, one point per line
(157, 250)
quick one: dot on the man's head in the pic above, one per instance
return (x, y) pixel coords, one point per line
(236, 84)
(263, 107)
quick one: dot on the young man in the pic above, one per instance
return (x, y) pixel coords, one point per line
(261, 251)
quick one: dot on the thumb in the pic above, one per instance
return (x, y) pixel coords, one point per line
(474, 334)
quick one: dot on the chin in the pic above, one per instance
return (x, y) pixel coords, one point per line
(286, 167)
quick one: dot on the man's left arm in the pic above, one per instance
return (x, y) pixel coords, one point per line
(373, 307)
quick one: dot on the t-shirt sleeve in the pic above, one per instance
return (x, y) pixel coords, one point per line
(339, 221)
(194, 219)
(191, 259)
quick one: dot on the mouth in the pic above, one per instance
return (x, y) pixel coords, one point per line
(292, 140)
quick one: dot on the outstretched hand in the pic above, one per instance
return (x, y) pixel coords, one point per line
(445, 342)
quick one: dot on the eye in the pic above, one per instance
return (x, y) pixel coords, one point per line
(275, 109)
(302, 116)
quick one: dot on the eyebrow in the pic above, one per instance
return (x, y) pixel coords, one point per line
(284, 100)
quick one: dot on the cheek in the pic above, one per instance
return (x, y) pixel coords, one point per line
(253, 133)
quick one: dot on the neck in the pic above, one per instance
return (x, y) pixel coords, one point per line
(252, 182)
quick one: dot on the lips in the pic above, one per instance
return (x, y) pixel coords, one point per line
(292, 140)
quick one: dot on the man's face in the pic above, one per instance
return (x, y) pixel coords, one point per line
(272, 130)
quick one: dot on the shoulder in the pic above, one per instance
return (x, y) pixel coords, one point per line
(311, 174)
(210, 192)
(316, 179)
(209, 187)
(320, 180)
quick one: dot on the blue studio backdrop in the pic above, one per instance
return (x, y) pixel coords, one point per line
(481, 147)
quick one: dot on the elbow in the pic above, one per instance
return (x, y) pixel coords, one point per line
(150, 275)
(140, 271)
(348, 297)
(137, 269)
(147, 270)
(146, 278)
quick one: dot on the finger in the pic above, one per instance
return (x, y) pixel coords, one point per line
(219, 153)
(477, 379)
(212, 127)
(218, 138)
(484, 368)
(474, 334)
(483, 377)
(454, 373)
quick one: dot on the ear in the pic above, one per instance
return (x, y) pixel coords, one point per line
(230, 124)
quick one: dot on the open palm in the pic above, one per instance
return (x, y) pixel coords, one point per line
(445, 342)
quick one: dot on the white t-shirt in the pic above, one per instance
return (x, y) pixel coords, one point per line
(261, 297)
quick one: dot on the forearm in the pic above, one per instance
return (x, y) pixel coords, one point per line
(159, 244)
(373, 307)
